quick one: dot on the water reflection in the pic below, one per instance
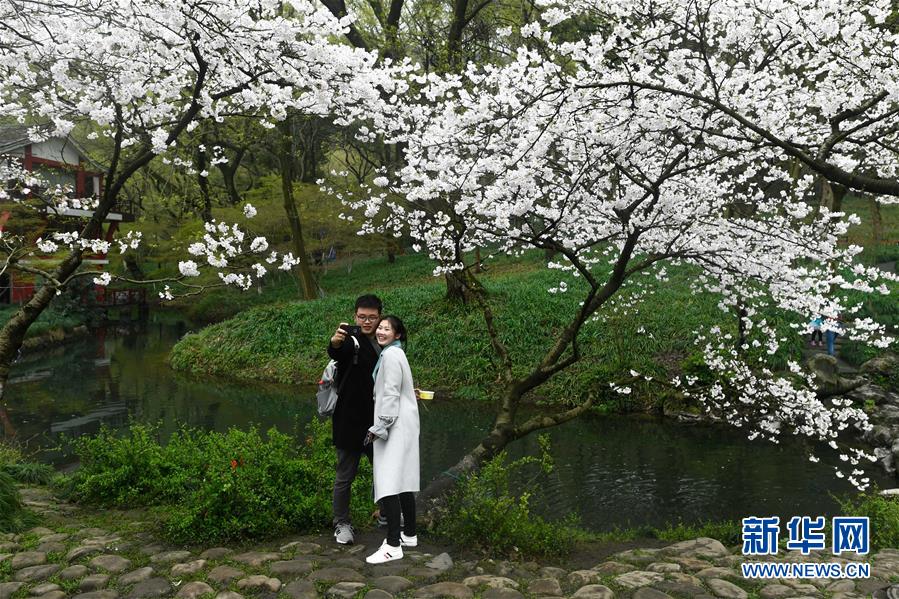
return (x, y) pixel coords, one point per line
(613, 471)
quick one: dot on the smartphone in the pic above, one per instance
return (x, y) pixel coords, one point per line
(351, 329)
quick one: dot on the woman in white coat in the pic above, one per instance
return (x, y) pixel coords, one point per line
(395, 438)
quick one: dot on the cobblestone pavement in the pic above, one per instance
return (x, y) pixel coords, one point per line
(70, 557)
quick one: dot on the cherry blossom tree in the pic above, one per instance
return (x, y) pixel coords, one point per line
(141, 74)
(576, 148)
(441, 36)
(813, 80)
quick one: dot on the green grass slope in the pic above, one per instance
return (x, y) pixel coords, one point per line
(448, 345)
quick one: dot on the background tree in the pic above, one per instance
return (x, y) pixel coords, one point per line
(291, 131)
(145, 74)
(443, 36)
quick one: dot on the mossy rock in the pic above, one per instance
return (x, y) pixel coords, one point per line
(675, 405)
(884, 365)
(827, 377)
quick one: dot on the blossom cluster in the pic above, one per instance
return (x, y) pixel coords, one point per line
(132, 69)
(223, 247)
(29, 188)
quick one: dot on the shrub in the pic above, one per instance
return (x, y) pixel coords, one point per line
(49, 320)
(13, 516)
(484, 513)
(131, 470)
(9, 454)
(883, 513)
(30, 473)
(253, 487)
(218, 486)
(889, 380)
(9, 501)
(857, 353)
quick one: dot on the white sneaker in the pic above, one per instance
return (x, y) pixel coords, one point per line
(408, 541)
(385, 553)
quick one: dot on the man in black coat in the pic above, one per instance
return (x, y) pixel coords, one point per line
(354, 413)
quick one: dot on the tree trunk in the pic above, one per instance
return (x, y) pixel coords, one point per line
(310, 151)
(741, 327)
(9, 431)
(839, 192)
(826, 194)
(876, 228)
(229, 171)
(455, 288)
(203, 180)
(454, 39)
(307, 282)
(338, 9)
(830, 196)
(133, 267)
(13, 332)
(433, 497)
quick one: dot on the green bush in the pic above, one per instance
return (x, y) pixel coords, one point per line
(30, 473)
(9, 502)
(13, 515)
(883, 309)
(483, 513)
(215, 486)
(857, 353)
(9, 454)
(131, 470)
(889, 380)
(51, 319)
(883, 513)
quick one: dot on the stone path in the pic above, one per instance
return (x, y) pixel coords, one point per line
(69, 558)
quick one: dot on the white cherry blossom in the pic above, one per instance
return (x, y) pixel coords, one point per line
(673, 136)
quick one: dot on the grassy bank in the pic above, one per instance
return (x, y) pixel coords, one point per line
(336, 279)
(49, 322)
(448, 344)
(863, 233)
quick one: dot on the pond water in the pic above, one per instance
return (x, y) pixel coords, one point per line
(613, 471)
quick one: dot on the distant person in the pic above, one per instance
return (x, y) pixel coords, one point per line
(354, 414)
(831, 335)
(817, 336)
(394, 436)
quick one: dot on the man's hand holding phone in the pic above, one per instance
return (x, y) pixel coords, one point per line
(339, 335)
(342, 331)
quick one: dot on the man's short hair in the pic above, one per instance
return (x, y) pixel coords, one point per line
(369, 301)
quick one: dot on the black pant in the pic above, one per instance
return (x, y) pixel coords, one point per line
(392, 504)
(347, 467)
(817, 336)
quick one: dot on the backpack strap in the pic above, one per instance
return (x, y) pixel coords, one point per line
(355, 361)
